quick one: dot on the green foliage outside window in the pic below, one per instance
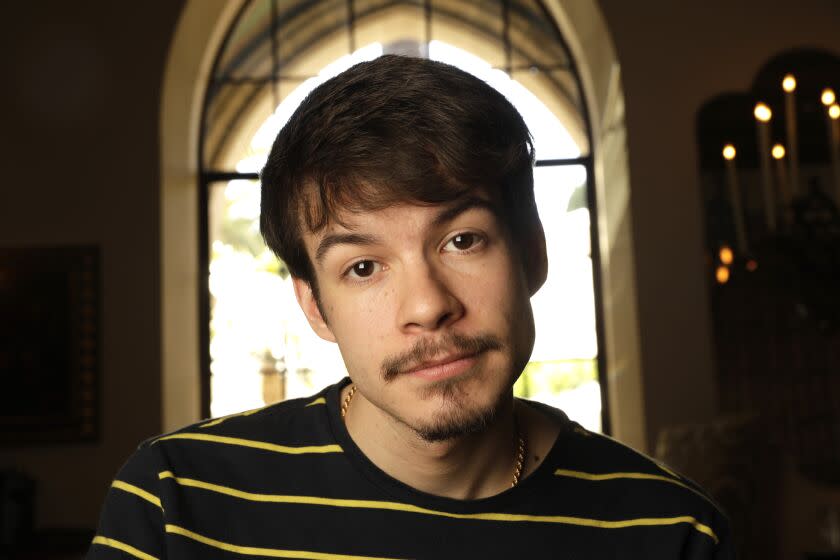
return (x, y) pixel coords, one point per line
(554, 377)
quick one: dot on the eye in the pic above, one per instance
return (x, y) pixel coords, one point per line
(464, 241)
(361, 269)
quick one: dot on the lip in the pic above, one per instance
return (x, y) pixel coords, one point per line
(443, 368)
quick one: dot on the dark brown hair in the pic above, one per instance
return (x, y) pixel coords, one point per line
(393, 130)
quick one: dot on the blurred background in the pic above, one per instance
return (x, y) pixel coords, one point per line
(688, 178)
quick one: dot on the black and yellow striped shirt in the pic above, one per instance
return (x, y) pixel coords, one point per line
(287, 481)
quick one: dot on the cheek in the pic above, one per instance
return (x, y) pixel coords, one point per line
(360, 327)
(355, 328)
(497, 289)
(501, 304)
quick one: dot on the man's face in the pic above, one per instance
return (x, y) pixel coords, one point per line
(430, 308)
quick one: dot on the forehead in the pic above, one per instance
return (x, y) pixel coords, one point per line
(346, 208)
(408, 214)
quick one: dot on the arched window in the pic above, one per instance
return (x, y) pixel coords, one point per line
(256, 346)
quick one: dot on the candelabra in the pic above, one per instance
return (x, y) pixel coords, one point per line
(770, 172)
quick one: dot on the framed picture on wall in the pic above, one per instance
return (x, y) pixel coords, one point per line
(49, 344)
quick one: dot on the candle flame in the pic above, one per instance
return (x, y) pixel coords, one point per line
(834, 111)
(726, 255)
(762, 112)
(828, 97)
(778, 151)
(729, 152)
(722, 274)
(789, 83)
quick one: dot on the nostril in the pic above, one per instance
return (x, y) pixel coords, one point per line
(444, 319)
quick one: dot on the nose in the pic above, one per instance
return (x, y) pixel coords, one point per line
(428, 302)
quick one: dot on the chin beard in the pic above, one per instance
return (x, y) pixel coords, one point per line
(455, 424)
(455, 418)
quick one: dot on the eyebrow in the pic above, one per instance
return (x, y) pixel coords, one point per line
(445, 216)
(333, 239)
(464, 204)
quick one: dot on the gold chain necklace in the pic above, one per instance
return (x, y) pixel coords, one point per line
(520, 448)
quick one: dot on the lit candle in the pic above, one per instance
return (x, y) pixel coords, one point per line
(735, 197)
(834, 133)
(763, 114)
(789, 85)
(778, 153)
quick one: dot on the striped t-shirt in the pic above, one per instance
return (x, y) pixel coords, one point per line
(287, 481)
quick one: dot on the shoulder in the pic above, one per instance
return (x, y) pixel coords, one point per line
(597, 457)
(287, 428)
(608, 479)
(291, 418)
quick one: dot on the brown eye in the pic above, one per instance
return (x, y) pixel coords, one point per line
(362, 269)
(464, 241)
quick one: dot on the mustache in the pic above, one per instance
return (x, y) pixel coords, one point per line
(426, 349)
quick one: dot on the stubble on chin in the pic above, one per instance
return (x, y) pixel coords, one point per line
(456, 416)
(455, 424)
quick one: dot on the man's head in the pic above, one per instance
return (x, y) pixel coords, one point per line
(400, 196)
(393, 130)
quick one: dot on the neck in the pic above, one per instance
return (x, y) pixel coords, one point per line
(470, 467)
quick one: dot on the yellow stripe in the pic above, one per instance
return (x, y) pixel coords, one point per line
(580, 430)
(256, 444)
(127, 548)
(148, 496)
(396, 506)
(218, 421)
(632, 475)
(271, 552)
(613, 476)
(666, 469)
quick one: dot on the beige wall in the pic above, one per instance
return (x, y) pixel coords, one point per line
(674, 56)
(81, 111)
(79, 106)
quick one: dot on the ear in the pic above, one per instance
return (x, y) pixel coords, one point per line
(536, 265)
(306, 300)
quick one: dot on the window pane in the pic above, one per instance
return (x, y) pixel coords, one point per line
(475, 27)
(247, 52)
(399, 26)
(551, 138)
(262, 350)
(563, 367)
(560, 99)
(232, 109)
(534, 37)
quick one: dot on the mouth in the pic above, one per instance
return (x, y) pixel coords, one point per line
(443, 367)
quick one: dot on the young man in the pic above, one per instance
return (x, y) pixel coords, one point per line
(400, 195)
